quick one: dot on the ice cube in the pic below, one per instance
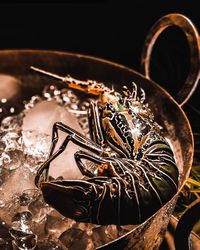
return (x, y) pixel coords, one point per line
(74, 239)
(4, 174)
(36, 144)
(19, 179)
(39, 209)
(9, 87)
(23, 237)
(28, 196)
(50, 244)
(23, 241)
(12, 159)
(44, 114)
(35, 148)
(56, 225)
(41, 119)
(101, 235)
(12, 140)
(2, 146)
(21, 221)
(98, 236)
(111, 232)
(5, 237)
(12, 123)
(11, 155)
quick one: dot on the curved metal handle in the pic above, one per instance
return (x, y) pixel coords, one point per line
(194, 44)
(185, 226)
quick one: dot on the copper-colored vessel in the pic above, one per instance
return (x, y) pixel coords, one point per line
(167, 110)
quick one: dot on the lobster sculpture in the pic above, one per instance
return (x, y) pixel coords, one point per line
(135, 172)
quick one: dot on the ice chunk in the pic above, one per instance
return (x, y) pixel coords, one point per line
(56, 224)
(21, 221)
(35, 144)
(12, 123)
(35, 148)
(50, 244)
(12, 159)
(12, 140)
(19, 180)
(9, 86)
(74, 239)
(23, 237)
(4, 174)
(44, 114)
(41, 119)
(29, 196)
(5, 237)
(11, 154)
(38, 209)
(22, 240)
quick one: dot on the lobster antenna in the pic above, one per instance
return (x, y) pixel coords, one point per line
(48, 73)
(113, 90)
(143, 95)
(125, 99)
(134, 91)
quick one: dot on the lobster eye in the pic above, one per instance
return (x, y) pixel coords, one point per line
(130, 112)
(107, 113)
(128, 104)
(120, 101)
(124, 87)
(101, 108)
(109, 107)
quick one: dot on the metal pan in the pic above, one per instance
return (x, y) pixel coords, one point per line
(168, 111)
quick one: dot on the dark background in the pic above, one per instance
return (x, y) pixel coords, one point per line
(113, 30)
(110, 29)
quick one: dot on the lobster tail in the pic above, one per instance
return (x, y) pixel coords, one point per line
(139, 187)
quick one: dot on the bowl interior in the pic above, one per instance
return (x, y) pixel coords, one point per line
(168, 114)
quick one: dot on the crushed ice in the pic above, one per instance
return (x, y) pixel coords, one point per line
(26, 221)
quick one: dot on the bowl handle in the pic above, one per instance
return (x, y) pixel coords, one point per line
(193, 39)
(185, 226)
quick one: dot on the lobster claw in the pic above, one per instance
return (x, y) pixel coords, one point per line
(74, 198)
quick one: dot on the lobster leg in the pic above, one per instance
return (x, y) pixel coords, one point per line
(94, 123)
(93, 158)
(73, 136)
(105, 165)
(43, 170)
(86, 200)
(80, 139)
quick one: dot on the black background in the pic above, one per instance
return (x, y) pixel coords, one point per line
(113, 30)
